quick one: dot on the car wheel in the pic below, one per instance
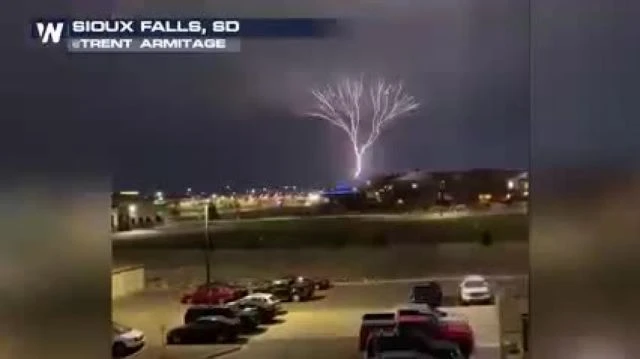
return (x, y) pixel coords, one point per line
(119, 350)
(296, 298)
(318, 286)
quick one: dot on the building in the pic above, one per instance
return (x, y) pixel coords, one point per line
(421, 188)
(131, 210)
(477, 186)
(347, 196)
(518, 186)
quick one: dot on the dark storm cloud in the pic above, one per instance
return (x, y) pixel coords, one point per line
(209, 120)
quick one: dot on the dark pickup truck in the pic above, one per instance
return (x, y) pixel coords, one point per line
(429, 293)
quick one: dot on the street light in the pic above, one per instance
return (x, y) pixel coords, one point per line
(207, 248)
(133, 209)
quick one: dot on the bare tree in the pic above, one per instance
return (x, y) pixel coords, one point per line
(362, 110)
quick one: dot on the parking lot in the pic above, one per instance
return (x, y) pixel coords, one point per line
(326, 327)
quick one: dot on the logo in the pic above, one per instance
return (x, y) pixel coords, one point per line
(50, 31)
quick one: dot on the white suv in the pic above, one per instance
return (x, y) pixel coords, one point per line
(475, 289)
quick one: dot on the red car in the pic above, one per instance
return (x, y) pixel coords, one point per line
(460, 333)
(214, 293)
(432, 325)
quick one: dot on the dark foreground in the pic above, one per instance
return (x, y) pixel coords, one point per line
(326, 327)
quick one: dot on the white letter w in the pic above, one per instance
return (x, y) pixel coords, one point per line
(50, 31)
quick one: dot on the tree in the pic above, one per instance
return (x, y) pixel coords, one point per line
(362, 116)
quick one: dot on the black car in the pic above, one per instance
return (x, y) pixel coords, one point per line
(247, 319)
(292, 289)
(429, 293)
(322, 283)
(204, 330)
(303, 289)
(267, 308)
(318, 282)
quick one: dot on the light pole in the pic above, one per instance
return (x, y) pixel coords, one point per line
(207, 248)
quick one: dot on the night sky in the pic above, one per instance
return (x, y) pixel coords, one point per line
(205, 121)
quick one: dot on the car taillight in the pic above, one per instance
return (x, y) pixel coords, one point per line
(460, 338)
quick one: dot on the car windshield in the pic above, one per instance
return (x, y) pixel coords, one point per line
(475, 284)
(120, 329)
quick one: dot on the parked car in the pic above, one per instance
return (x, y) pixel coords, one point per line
(475, 289)
(322, 283)
(433, 325)
(292, 290)
(126, 340)
(241, 289)
(318, 282)
(248, 318)
(267, 305)
(204, 330)
(260, 285)
(428, 293)
(373, 323)
(214, 293)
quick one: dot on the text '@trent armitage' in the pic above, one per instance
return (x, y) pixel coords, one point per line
(154, 45)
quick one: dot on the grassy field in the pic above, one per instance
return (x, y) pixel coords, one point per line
(185, 267)
(344, 232)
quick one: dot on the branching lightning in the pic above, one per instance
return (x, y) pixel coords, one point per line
(345, 105)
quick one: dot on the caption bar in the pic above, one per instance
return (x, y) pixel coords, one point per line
(170, 35)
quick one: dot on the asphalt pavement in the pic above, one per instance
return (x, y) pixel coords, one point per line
(325, 327)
